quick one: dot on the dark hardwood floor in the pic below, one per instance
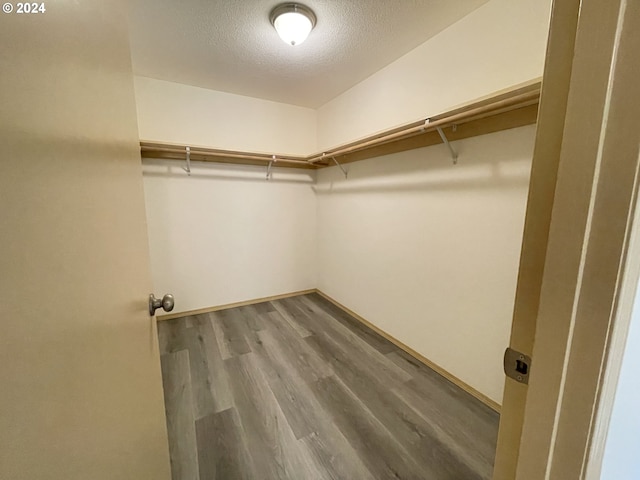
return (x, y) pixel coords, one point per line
(298, 389)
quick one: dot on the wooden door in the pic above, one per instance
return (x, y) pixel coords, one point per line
(584, 179)
(80, 384)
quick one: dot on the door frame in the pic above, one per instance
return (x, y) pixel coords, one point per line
(542, 184)
(592, 199)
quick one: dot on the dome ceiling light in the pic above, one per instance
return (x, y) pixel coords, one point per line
(293, 22)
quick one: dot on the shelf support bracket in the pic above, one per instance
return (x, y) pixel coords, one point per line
(188, 158)
(271, 162)
(445, 140)
(340, 167)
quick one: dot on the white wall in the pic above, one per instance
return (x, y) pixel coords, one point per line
(225, 234)
(621, 460)
(429, 251)
(175, 113)
(498, 45)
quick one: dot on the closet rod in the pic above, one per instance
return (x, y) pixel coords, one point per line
(213, 153)
(512, 103)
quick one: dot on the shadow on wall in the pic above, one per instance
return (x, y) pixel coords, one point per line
(484, 163)
(152, 167)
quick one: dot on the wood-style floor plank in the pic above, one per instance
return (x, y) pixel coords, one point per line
(203, 404)
(306, 417)
(296, 350)
(352, 345)
(383, 454)
(421, 441)
(171, 337)
(335, 455)
(282, 376)
(259, 417)
(264, 307)
(251, 316)
(230, 330)
(178, 401)
(294, 322)
(298, 389)
(222, 449)
(275, 452)
(217, 379)
(374, 339)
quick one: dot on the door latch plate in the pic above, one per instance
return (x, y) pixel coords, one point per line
(517, 365)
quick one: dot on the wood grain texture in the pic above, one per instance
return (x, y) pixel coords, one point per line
(178, 400)
(298, 389)
(384, 455)
(222, 451)
(217, 380)
(233, 328)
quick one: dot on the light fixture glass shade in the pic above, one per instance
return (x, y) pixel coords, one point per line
(293, 22)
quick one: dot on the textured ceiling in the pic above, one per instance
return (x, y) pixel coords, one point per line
(230, 45)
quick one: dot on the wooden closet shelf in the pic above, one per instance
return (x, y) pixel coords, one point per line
(511, 108)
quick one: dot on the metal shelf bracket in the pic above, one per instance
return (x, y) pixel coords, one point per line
(188, 158)
(445, 140)
(344, 171)
(273, 160)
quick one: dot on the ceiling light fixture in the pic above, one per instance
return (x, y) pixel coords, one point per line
(293, 22)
